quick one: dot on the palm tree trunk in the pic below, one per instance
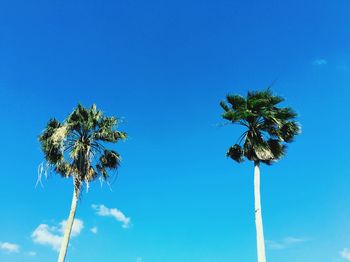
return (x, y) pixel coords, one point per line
(258, 218)
(69, 225)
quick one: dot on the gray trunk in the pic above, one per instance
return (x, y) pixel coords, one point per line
(68, 230)
(258, 217)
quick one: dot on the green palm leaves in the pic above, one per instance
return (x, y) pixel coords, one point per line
(268, 127)
(76, 147)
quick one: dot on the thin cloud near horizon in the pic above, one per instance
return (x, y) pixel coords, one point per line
(284, 243)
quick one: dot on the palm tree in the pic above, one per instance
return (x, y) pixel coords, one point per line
(76, 149)
(268, 129)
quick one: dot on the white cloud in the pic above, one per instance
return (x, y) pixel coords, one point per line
(31, 253)
(44, 235)
(320, 62)
(102, 210)
(94, 230)
(345, 253)
(52, 236)
(78, 226)
(284, 243)
(9, 247)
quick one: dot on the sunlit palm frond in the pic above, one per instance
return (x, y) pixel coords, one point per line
(77, 147)
(268, 127)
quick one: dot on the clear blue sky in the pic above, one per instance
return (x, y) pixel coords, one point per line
(164, 66)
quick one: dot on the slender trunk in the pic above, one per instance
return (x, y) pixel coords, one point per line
(258, 218)
(69, 225)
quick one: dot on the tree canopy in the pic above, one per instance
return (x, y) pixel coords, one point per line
(268, 127)
(76, 147)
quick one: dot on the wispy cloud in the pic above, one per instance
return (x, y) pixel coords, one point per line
(94, 230)
(9, 247)
(320, 62)
(284, 243)
(52, 235)
(274, 244)
(345, 253)
(139, 259)
(31, 253)
(102, 210)
(343, 67)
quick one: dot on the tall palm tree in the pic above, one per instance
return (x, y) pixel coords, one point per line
(268, 129)
(76, 149)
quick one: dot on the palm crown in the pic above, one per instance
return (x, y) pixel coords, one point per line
(268, 127)
(76, 147)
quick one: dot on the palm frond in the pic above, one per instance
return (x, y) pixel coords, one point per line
(268, 127)
(262, 150)
(289, 130)
(76, 147)
(285, 113)
(224, 106)
(237, 102)
(236, 153)
(277, 149)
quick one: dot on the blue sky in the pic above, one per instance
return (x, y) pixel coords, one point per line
(163, 66)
